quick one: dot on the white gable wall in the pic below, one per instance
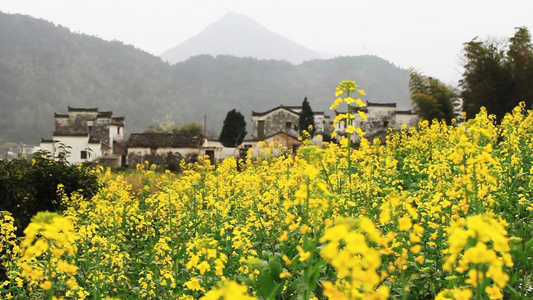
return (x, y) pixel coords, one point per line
(115, 133)
(163, 151)
(75, 145)
(408, 119)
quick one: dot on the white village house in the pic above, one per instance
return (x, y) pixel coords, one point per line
(94, 136)
(279, 126)
(158, 148)
(380, 117)
(88, 135)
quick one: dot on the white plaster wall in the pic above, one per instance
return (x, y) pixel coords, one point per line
(378, 110)
(224, 152)
(319, 123)
(163, 151)
(409, 120)
(182, 151)
(76, 144)
(48, 147)
(114, 135)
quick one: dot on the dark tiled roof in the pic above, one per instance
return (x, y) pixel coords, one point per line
(291, 109)
(56, 115)
(69, 134)
(105, 114)
(119, 121)
(82, 109)
(119, 147)
(404, 112)
(368, 103)
(47, 141)
(269, 136)
(287, 108)
(93, 140)
(354, 109)
(164, 140)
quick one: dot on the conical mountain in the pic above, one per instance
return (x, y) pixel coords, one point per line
(238, 35)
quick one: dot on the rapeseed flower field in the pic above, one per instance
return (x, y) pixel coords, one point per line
(434, 212)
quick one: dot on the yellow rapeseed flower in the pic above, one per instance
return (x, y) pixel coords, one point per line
(303, 255)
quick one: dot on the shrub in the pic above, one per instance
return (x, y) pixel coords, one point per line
(30, 187)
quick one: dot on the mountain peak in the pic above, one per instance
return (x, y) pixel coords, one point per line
(239, 35)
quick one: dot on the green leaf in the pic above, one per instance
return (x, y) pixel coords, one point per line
(267, 287)
(274, 265)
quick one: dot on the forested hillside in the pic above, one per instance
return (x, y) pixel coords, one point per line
(44, 68)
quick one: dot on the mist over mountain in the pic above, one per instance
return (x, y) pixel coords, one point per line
(238, 35)
(44, 68)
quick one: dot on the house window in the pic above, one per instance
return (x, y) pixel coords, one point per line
(288, 126)
(118, 130)
(83, 154)
(261, 129)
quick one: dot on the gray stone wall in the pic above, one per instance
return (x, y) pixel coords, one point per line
(281, 121)
(82, 123)
(100, 129)
(75, 124)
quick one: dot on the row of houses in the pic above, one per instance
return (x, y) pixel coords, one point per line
(90, 135)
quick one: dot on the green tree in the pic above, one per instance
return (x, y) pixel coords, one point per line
(307, 119)
(520, 64)
(191, 128)
(168, 126)
(496, 78)
(431, 98)
(233, 130)
(165, 126)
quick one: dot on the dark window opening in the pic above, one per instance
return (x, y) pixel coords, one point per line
(83, 154)
(211, 154)
(288, 126)
(261, 130)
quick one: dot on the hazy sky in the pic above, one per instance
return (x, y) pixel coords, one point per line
(424, 34)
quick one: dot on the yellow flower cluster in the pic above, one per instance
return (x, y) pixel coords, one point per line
(411, 217)
(355, 262)
(230, 290)
(47, 260)
(8, 244)
(479, 245)
(348, 88)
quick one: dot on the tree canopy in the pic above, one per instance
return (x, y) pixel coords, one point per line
(431, 98)
(233, 130)
(168, 126)
(307, 119)
(498, 75)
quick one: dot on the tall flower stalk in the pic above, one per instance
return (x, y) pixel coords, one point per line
(348, 89)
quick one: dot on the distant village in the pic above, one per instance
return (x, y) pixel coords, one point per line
(90, 135)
